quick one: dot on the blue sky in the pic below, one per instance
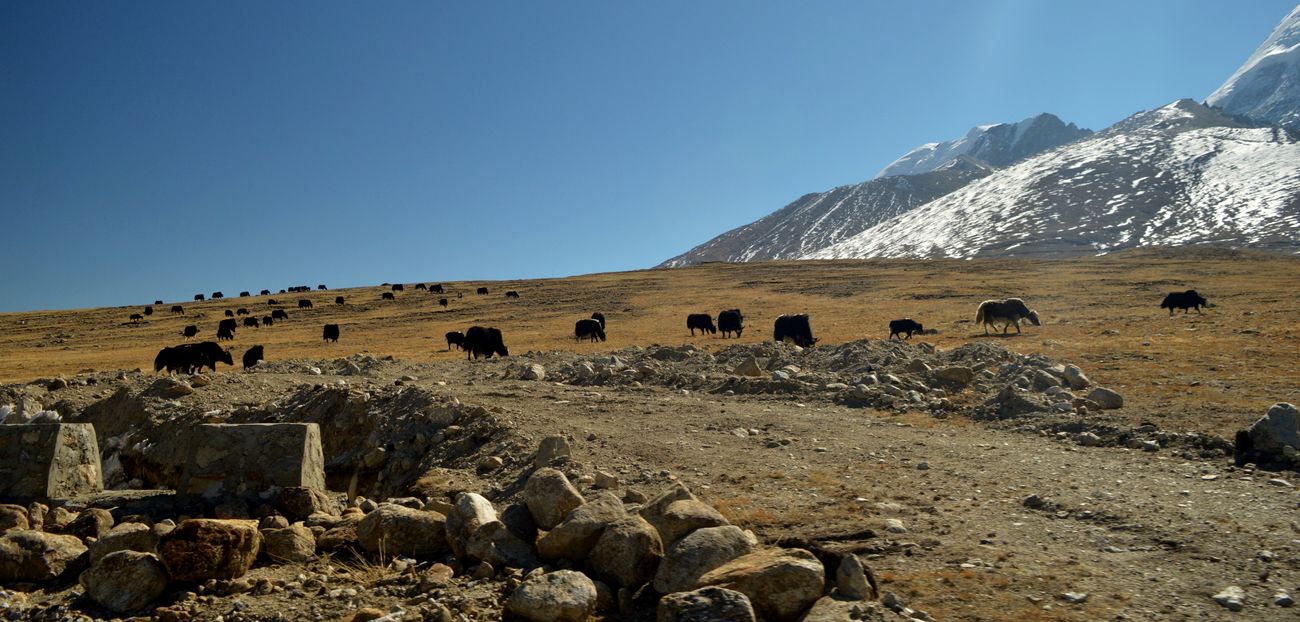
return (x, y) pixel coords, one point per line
(159, 149)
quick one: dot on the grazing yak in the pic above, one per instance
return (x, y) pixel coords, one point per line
(321, 287)
(244, 294)
(794, 328)
(442, 302)
(701, 321)
(271, 302)
(731, 321)
(599, 317)
(190, 358)
(1184, 300)
(190, 331)
(227, 323)
(437, 289)
(225, 334)
(588, 329)
(148, 310)
(136, 317)
(280, 314)
(265, 292)
(905, 325)
(218, 295)
(251, 322)
(481, 341)
(388, 296)
(198, 297)
(338, 300)
(158, 302)
(332, 332)
(482, 291)
(304, 304)
(399, 288)
(230, 313)
(512, 294)
(455, 338)
(241, 311)
(1008, 312)
(268, 320)
(178, 309)
(253, 356)
(421, 286)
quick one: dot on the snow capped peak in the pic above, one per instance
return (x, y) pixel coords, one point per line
(1267, 87)
(998, 144)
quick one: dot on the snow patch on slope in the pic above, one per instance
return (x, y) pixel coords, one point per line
(1267, 87)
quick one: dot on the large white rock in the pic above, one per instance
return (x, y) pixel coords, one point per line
(1278, 428)
(695, 554)
(125, 580)
(560, 596)
(550, 497)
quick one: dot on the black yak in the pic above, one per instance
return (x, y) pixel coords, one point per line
(481, 341)
(1008, 312)
(455, 338)
(332, 332)
(731, 321)
(794, 328)
(588, 329)
(701, 321)
(905, 325)
(253, 356)
(1184, 300)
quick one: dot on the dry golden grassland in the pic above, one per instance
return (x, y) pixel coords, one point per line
(1212, 372)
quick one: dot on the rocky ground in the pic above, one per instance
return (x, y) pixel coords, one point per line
(973, 482)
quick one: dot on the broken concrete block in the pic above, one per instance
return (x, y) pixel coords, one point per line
(49, 460)
(246, 459)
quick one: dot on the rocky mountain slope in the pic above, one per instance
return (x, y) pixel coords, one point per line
(1266, 88)
(1181, 174)
(999, 145)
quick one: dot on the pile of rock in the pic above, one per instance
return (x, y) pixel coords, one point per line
(1273, 441)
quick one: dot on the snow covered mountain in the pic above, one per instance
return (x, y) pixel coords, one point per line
(819, 219)
(1181, 174)
(998, 145)
(1266, 89)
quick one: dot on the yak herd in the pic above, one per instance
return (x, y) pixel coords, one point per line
(481, 341)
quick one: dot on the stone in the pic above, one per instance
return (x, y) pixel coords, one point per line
(1283, 599)
(469, 512)
(628, 552)
(533, 371)
(956, 375)
(684, 516)
(520, 521)
(366, 614)
(851, 580)
(299, 502)
(246, 459)
(551, 449)
(137, 537)
(605, 480)
(574, 537)
(1075, 377)
(90, 523)
(13, 517)
(1105, 398)
(697, 553)
(392, 530)
(1278, 429)
(653, 509)
(560, 596)
(209, 548)
(59, 460)
(828, 609)
(496, 544)
(749, 367)
(707, 604)
(1231, 598)
(342, 534)
(27, 555)
(490, 463)
(894, 525)
(170, 387)
(1087, 439)
(58, 519)
(550, 497)
(125, 580)
(1075, 598)
(293, 544)
(781, 583)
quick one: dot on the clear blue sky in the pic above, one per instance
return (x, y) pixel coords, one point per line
(159, 149)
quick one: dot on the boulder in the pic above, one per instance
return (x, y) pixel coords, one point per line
(169, 387)
(298, 502)
(470, 512)
(550, 497)
(697, 553)
(13, 517)
(781, 583)
(125, 580)
(684, 516)
(851, 580)
(1277, 429)
(246, 459)
(520, 521)
(343, 533)
(828, 609)
(534, 371)
(707, 604)
(392, 530)
(1105, 398)
(627, 552)
(59, 460)
(654, 509)
(955, 375)
(749, 367)
(209, 548)
(90, 523)
(496, 544)
(1076, 378)
(560, 596)
(574, 538)
(293, 544)
(125, 537)
(552, 449)
(27, 555)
